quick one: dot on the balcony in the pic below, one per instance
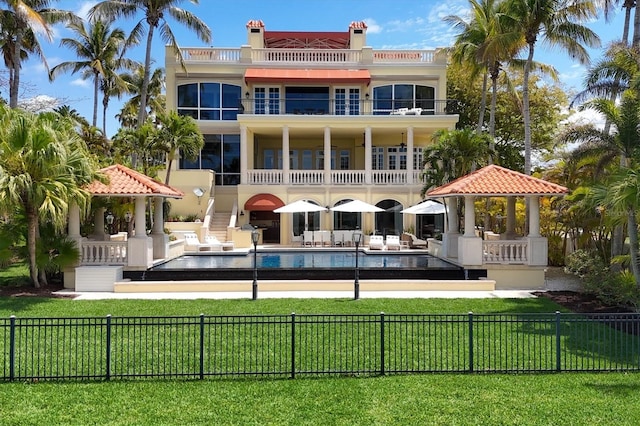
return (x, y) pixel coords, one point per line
(342, 107)
(366, 56)
(335, 178)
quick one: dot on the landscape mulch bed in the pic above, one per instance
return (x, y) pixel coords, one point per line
(29, 291)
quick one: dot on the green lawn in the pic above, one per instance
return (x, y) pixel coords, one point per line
(532, 399)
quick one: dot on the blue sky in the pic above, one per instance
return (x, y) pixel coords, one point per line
(398, 24)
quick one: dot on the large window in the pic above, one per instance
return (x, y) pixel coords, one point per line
(347, 101)
(221, 153)
(394, 97)
(209, 101)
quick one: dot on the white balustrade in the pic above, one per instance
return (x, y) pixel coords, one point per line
(389, 177)
(103, 252)
(265, 177)
(306, 177)
(505, 251)
(347, 177)
(327, 56)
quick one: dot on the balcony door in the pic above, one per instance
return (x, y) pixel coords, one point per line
(347, 101)
(306, 100)
(267, 100)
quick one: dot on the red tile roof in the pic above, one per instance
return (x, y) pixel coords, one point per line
(122, 181)
(255, 23)
(496, 180)
(358, 24)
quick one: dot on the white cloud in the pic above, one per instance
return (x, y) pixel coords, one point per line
(81, 82)
(83, 11)
(39, 103)
(372, 26)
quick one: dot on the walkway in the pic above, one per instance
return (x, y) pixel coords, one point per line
(556, 280)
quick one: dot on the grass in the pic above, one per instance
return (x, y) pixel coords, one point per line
(429, 399)
(14, 275)
(564, 399)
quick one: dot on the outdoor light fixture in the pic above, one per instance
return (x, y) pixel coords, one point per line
(366, 96)
(246, 95)
(128, 216)
(199, 192)
(255, 236)
(357, 239)
(241, 212)
(402, 144)
(110, 218)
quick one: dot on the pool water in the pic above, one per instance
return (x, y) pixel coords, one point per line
(303, 260)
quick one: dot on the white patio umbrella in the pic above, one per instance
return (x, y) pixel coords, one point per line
(300, 206)
(356, 206)
(426, 207)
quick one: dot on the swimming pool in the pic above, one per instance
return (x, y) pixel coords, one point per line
(303, 264)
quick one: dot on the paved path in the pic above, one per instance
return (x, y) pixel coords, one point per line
(556, 280)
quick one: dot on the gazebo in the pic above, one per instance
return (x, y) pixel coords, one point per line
(511, 261)
(102, 260)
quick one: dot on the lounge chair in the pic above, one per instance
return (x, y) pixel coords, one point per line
(376, 242)
(414, 242)
(192, 243)
(393, 242)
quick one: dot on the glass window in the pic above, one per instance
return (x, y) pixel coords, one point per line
(345, 157)
(307, 162)
(395, 96)
(209, 101)
(269, 159)
(221, 153)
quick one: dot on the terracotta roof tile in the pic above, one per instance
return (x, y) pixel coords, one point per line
(358, 24)
(122, 181)
(255, 23)
(496, 180)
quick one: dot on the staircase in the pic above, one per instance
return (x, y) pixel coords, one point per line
(218, 225)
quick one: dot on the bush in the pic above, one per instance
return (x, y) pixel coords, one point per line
(618, 289)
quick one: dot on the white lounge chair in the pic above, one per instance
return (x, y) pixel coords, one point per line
(192, 243)
(414, 242)
(376, 242)
(393, 242)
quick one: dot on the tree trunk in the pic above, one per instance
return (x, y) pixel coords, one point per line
(636, 28)
(525, 111)
(169, 164)
(142, 113)
(628, 5)
(32, 228)
(15, 83)
(633, 245)
(483, 102)
(96, 87)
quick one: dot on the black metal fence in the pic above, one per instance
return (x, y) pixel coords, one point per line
(312, 345)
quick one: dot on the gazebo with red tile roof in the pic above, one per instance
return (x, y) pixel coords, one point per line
(496, 181)
(125, 182)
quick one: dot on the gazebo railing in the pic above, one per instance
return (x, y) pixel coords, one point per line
(505, 251)
(103, 253)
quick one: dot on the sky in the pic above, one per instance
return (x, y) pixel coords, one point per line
(397, 24)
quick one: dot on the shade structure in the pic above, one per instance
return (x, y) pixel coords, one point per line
(357, 206)
(426, 207)
(300, 206)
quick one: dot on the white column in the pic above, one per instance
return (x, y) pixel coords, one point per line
(510, 233)
(244, 156)
(74, 221)
(158, 217)
(285, 155)
(410, 156)
(367, 155)
(452, 213)
(98, 226)
(139, 217)
(160, 239)
(327, 155)
(534, 216)
(469, 216)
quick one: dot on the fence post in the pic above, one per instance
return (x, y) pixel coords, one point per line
(201, 346)
(382, 343)
(12, 348)
(293, 345)
(470, 342)
(108, 349)
(558, 357)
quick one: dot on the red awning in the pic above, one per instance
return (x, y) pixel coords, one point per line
(263, 202)
(266, 75)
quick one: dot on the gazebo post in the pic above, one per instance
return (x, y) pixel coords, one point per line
(469, 245)
(160, 239)
(510, 233)
(140, 246)
(537, 245)
(69, 273)
(450, 237)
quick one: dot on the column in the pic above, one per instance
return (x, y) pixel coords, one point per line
(140, 247)
(367, 155)
(160, 239)
(469, 216)
(510, 233)
(244, 156)
(98, 226)
(286, 166)
(69, 273)
(139, 218)
(534, 216)
(410, 156)
(327, 155)
(74, 221)
(452, 233)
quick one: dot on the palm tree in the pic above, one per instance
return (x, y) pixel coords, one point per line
(154, 99)
(44, 166)
(178, 133)
(154, 13)
(27, 18)
(98, 49)
(559, 22)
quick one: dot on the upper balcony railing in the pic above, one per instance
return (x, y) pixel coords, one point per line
(357, 107)
(311, 56)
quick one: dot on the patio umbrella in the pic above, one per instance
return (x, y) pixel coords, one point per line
(357, 206)
(300, 206)
(426, 207)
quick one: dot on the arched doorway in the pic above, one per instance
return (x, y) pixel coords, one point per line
(389, 221)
